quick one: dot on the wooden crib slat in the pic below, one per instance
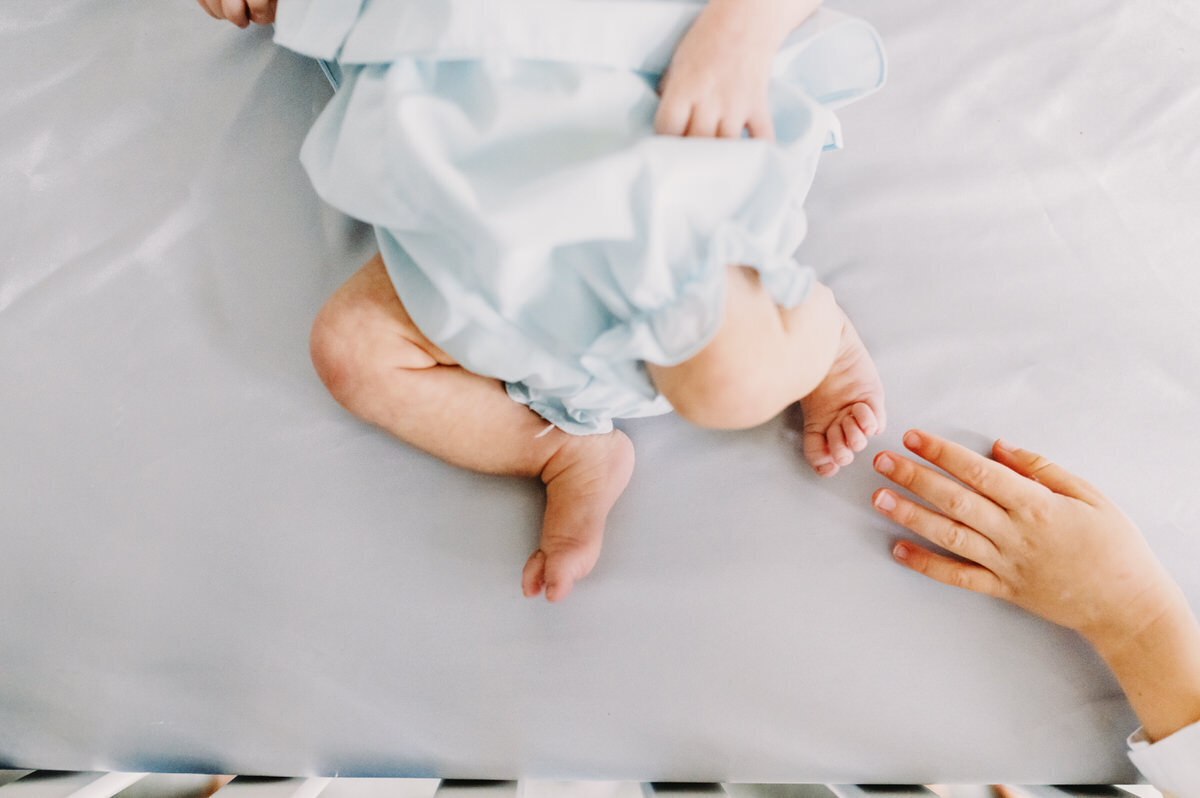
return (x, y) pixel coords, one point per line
(172, 785)
(458, 788)
(546, 788)
(382, 788)
(1047, 791)
(7, 776)
(54, 784)
(683, 789)
(738, 790)
(881, 791)
(254, 787)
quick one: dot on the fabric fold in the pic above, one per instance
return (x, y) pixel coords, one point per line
(535, 227)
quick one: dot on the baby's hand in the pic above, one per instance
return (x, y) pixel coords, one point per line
(241, 12)
(716, 85)
(1032, 533)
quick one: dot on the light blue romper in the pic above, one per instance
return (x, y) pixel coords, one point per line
(532, 223)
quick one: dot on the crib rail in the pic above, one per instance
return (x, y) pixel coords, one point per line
(95, 784)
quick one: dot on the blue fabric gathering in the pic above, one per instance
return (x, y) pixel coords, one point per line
(534, 226)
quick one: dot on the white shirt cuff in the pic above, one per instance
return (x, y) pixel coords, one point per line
(1172, 764)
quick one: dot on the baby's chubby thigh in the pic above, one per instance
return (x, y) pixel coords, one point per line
(762, 358)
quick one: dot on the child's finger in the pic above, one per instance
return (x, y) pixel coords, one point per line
(938, 529)
(207, 9)
(671, 118)
(1055, 477)
(235, 12)
(991, 479)
(968, 576)
(731, 127)
(761, 126)
(262, 12)
(949, 497)
(702, 124)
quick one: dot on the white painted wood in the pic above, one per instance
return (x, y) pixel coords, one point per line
(454, 788)
(172, 785)
(1047, 791)
(1142, 790)
(109, 785)
(896, 791)
(49, 784)
(7, 776)
(676, 789)
(251, 787)
(382, 788)
(736, 790)
(546, 788)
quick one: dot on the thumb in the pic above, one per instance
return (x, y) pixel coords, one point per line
(1041, 469)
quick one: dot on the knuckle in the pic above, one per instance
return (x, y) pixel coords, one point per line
(1039, 464)
(953, 537)
(1038, 511)
(976, 474)
(960, 577)
(958, 505)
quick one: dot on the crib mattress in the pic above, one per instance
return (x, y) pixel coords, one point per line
(208, 566)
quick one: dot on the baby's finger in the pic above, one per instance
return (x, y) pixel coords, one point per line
(1055, 477)
(995, 481)
(235, 12)
(671, 119)
(950, 535)
(731, 127)
(971, 577)
(703, 123)
(761, 126)
(950, 498)
(208, 8)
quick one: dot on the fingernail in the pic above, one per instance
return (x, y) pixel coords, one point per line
(900, 551)
(1004, 445)
(885, 501)
(885, 464)
(911, 439)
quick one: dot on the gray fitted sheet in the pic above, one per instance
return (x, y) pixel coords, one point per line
(205, 564)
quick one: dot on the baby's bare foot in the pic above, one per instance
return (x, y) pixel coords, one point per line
(845, 409)
(583, 480)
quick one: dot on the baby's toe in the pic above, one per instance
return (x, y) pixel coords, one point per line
(855, 436)
(532, 576)
(816, 452)
(838, 448)
(866, 419)
(561, 571)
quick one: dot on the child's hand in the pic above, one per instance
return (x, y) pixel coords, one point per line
(716, 85)
(241, 12)
(1033, 533)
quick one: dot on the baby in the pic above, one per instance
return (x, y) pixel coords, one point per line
(487, 334)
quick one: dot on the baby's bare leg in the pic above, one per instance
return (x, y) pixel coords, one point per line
(764, 358)
(381, 368)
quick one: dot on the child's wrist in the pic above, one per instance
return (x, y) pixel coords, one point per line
(1154, 616)
(766, 22)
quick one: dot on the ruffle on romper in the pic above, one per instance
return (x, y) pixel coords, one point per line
(532, 223)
